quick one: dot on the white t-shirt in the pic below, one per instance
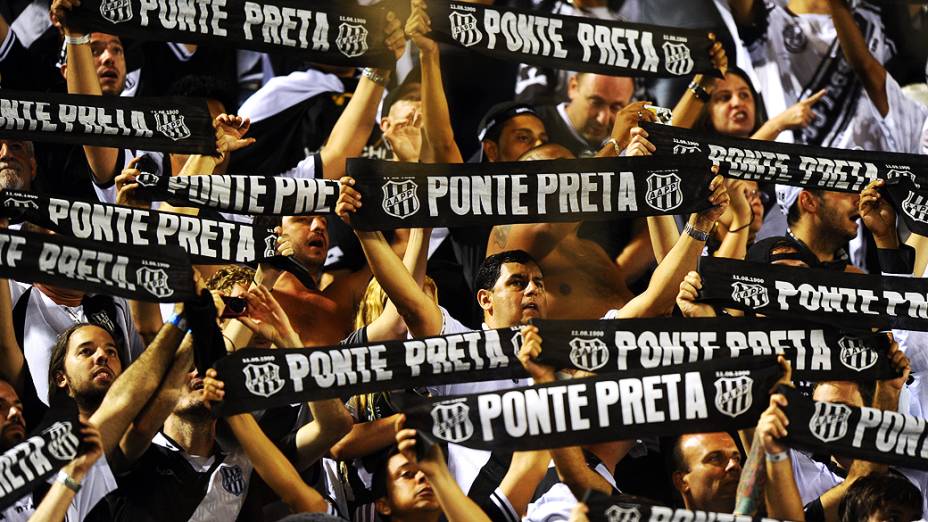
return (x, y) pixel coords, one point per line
(96, 484)
(465, 463)
(45, 319)
(557, 503)
(899, 131)
(788, 55)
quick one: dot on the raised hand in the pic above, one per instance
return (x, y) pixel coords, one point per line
(719, 200)
(417, 25)
(349, 199)
(433, 464)
(265, 317)
(686, 298)
(800, 115)
(213, 388)
(230, 133)
(627, 119)
(395, 39)
(771, 427)
(530, 350)
(127, 186)
(878, 215)
(717, 55)
(639, 144)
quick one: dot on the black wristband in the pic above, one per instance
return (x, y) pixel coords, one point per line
(700, 93)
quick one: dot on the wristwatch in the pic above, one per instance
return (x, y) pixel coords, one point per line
(698, 235)
(374, 75)
(68, 482)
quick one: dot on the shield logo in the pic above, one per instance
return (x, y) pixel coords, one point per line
(464, 28)
(685, 149)
(517, 342)
(62, 444)
(855, 354)
(147, 179)
(664, 192)
(171, 124)
(588, 354)
(155, 280)
(116, 11)
(233, 480)
(750, 294)
(263, 379)
(794, 39)
(270, 245)
(351, 40)
(830, 421)
(400, 199)
(733, 394)
(618, 513)
(450, 421)
(20, 203)
(894, 174)
(677, 58)
(916, 206)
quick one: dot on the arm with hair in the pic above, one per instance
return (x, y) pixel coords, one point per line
(132, 390)
(858, 55)
(145, 426)
(438, 145)
(390, 325)
(12, 361)
(331, 421)
(81, 76)
(274, 467)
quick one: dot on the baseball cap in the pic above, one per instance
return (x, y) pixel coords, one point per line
(787, 196)
(500, 114)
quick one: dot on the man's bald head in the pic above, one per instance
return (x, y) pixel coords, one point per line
(548, 151)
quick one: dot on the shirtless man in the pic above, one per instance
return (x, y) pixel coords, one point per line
(583, 281)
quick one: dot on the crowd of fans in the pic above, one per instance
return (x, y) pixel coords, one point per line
(152, 447)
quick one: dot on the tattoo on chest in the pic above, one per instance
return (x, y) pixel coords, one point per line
(501, 235)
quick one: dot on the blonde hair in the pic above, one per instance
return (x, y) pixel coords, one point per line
(374, 301)
(227, 277)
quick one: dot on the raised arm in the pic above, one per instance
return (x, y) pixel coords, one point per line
(737, 221)
(798, 116)
(353, 127)
(858, 55)
(438, 145)
(687, 110)
(456, 506)
(132, 390)
(12, 361)
(781, 493)
(81, 76)
(662, 230)
(422, 315)
(54, 507)
(146, 425)
(658, 298)
(390, 325)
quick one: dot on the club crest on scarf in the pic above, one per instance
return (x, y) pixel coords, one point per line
(464, 28)
(622, 514)
(664, 191)
(750, 294)
(830, 421)
(147, 179)
(680, 148)
(588, 354)
(451, 421)
(155, 280)
(20, 203)
(62, 443)
(916, 206)
(733, 394)
(263, 379)
(794, 38)
(171, 124)
(855, 354)
(233, 480)
(270, 245)
(116, 11)
(351, 39)
(677, 58)
(399, 198)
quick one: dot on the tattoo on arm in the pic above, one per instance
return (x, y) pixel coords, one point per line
(753, 478)
(501, 235)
